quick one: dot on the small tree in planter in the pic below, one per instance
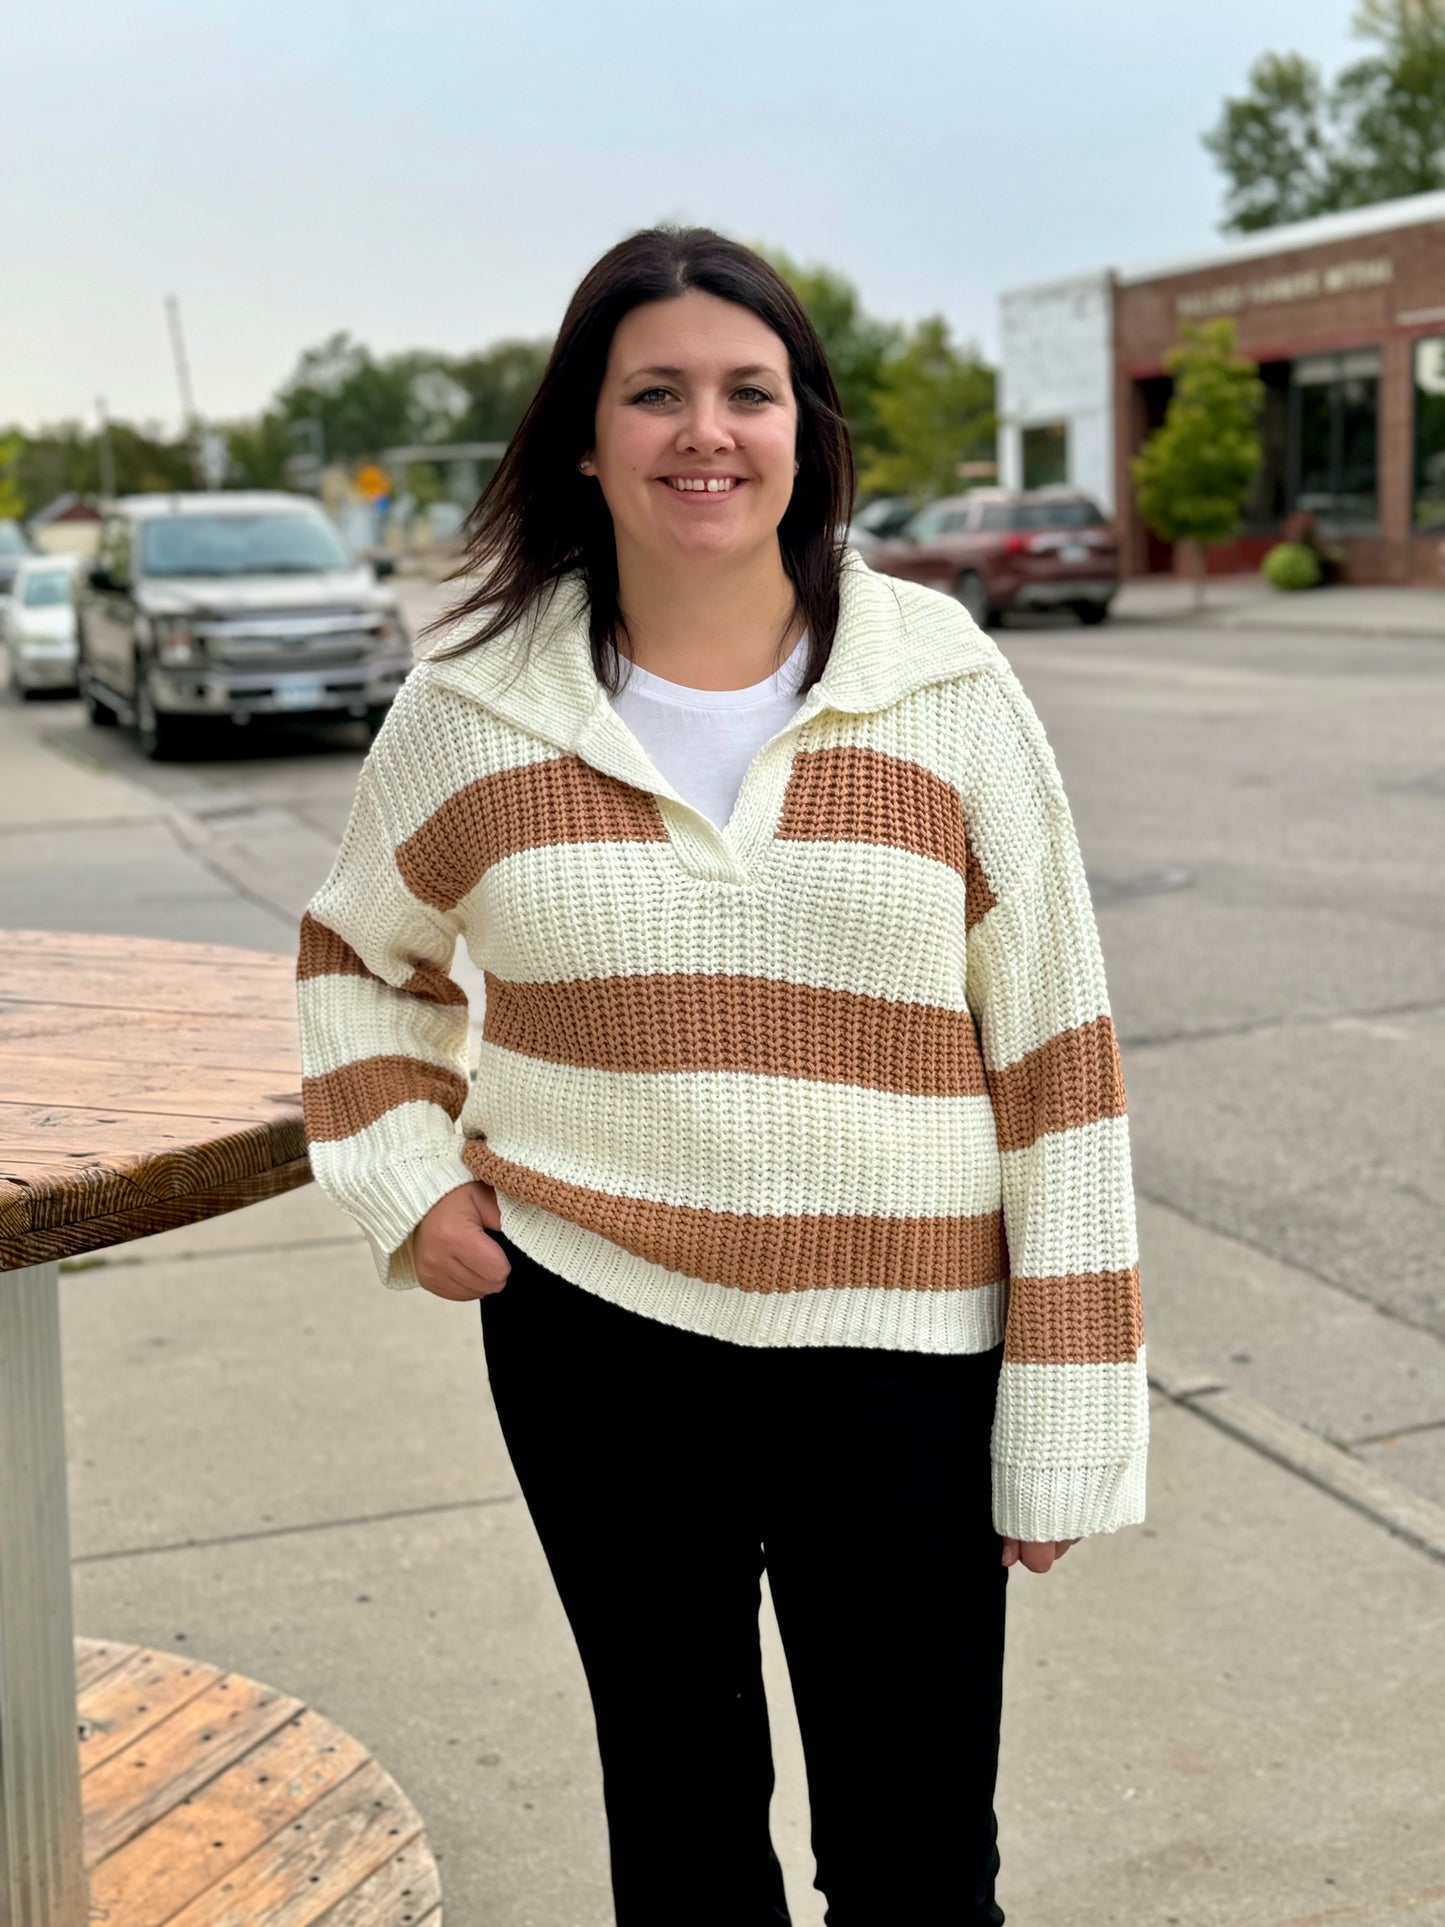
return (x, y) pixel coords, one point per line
(1192, 476)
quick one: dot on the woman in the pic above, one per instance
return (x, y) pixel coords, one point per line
(798, 1136)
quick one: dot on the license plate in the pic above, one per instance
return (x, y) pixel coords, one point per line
(299, 695)
(1074, 552)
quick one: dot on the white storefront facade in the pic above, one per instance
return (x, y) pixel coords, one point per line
(1056, 378)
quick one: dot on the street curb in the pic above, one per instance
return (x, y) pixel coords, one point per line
(1239, 620)
(1374, 632)
(266, 855)
(1419, 1521)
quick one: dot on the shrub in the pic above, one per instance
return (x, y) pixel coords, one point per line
(1303, 527)
(1291, 565)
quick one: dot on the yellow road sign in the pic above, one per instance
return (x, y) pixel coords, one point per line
(373, 482)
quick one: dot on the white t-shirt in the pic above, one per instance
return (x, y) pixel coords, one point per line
(702, 740)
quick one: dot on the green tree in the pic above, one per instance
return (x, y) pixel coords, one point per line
(1291, 147)
(1391, 109)
(65, 458)
(500, 382)
(1192, 476)
(1273, 146)
(935, 405)
(363, 405)
(259, 450)
(12, 502)
(857, 345)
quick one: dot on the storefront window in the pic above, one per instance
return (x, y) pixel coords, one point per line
(1335, 409)
(1269, 491)
(1046, 455)
(1430, 433)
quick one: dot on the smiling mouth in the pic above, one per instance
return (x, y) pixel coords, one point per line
(702, 484)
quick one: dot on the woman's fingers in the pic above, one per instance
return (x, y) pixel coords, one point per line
(453, 1255)
(1038, 1555)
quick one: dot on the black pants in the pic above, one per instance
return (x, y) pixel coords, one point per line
(664, 1471)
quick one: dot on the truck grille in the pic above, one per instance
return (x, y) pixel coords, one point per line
(300, 641)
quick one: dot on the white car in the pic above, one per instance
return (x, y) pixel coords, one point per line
(37, 622)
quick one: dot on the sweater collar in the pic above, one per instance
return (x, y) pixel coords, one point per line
(893, 637)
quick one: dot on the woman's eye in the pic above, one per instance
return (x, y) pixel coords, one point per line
(753, 395)
(650, 395)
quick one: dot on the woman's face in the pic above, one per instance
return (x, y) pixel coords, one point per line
(695, 432)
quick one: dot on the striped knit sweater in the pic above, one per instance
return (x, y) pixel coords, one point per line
(841, 1074)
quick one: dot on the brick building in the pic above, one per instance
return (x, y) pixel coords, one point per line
(1345, 316)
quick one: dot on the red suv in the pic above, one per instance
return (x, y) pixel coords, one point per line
(996, 549)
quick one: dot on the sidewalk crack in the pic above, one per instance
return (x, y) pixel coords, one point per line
(284, 1532)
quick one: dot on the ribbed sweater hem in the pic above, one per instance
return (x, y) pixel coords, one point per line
(867, 1317)
(1042, 1502)
(389, 1212)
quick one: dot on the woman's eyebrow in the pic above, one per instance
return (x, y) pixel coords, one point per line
(680, 374)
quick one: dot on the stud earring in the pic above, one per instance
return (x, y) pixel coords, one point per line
(584, 467)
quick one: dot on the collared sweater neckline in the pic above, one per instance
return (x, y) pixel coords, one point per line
(892, 638)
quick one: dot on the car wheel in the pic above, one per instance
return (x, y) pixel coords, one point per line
(1090, 613)
(161, 737)
(972, 593)
(97, 711)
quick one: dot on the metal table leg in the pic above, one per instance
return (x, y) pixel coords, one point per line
(42, 1876)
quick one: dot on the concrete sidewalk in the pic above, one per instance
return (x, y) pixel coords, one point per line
(1229, 1718)
(1248, 602)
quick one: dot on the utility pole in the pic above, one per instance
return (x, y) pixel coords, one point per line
(107, 453)
(183, 381)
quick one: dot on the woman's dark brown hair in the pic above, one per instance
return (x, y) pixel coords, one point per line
(539, 519)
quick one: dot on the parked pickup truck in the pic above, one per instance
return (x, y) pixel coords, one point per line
(226, 606)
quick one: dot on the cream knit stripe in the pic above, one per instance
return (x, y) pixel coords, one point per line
(921, 1321)
(734, 1142)
(1034, 964)
(463, 743)
(645, 915)
(1091, 1165)
(366, 903)
(1069, 1449)
(388, 1176)
(1042, 1503)
(347, 1019)
(1008, 778)
(926, 731)
(1098, 1414)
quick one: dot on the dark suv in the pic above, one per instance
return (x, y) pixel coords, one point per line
(228, 606)
(1043, 548)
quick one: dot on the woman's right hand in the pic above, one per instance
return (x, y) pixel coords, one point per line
(453, 1256)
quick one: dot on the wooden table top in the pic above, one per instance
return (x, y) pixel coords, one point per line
(143, 1084)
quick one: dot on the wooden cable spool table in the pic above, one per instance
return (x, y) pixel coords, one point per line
(143, 1085)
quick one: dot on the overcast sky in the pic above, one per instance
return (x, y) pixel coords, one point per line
(438, 173)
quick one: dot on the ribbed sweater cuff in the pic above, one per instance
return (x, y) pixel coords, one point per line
(389, 1210)
(1037, 1503)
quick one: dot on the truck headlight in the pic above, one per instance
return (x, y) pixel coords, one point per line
(175, 639)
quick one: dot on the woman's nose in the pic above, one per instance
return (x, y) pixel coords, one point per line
(705, 431)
